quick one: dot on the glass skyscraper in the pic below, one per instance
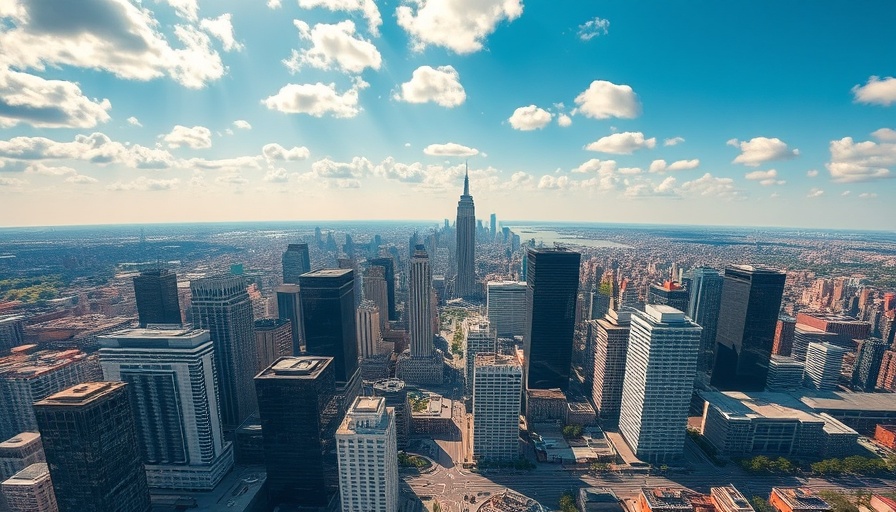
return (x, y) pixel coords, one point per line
(388, 265)
(295, 262)
(703, 309)
(156, 295)
(328, 310)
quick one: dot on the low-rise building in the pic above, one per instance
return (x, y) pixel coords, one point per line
(729, 499)
(30, 490)
(663, 499)
(432, 414)
(797, 499)
(886, 435)
(19, 452)
(879, 503)
(598, 499)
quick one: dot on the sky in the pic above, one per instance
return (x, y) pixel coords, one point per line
(761, 113)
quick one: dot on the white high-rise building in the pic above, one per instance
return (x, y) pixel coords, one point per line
(368, 457)
(823, 361)
(497, 389)
(479, 338)
(29, 490)
(375, 289)
(172, 382)
(368, 328)
(420, 304)
(506, 303)
(661, 364)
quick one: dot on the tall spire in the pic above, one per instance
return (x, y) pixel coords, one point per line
(466, 179)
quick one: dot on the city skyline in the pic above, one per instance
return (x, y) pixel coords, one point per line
(226, 103)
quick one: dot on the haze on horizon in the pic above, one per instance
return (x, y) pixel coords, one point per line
(754, 114)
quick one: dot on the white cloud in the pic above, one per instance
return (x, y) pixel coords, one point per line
(596, 165)
(407, 173)
(232, 178)
(450, 149)
(674, 141)
(81, 179)
(846, 193)
(765, 178)
(660, 166)
(110, 35)
(593, 28)
(333, 45)
(602, 100)
(564, 120)
(95, 148)
(222, 28)
(30, 99)
(145, 184)
(439, 85)
(647, 188)
(273, 4)
(197, 137)
(877, 91)
(862, 161)
(188, 9)
(885, 134)
(366, 7)
(459, 25)
(530, 118)
(276, 175)
(316, 100)
(357, 168)
(624, 143)
(815, 192)
(812, 173)
(48, 170)
(224, 164)
(867, 195)
(759, 150)
(554, 182)
(274, 152)
(242, 124)
(711, 186)
(11, 182)
(133, 121)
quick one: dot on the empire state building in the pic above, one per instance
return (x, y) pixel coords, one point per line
(465, 284)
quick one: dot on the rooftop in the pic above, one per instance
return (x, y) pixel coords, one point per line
(771, 405)
(391, 385)
(20, 440)
(800, 498)
(24, 364)
(81, 394)
(756, 269)
(301, 367)
(29, 475)
(664, 314)
(840, 400)
(598, 495)
(327, 272)
(159, 336)
(666, 498)
(367, 404)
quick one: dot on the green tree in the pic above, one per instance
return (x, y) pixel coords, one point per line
(839, 502)
(760, 504)
(571, 431)
(568, 502)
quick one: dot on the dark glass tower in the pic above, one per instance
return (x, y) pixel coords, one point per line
(156, 294)
(389, 265)
(668, 293)
(552, 288)
(90, 441)
(328, 310)
(289, 307)
(868, 363)
(222, 306)
(465, 283)
(703, 309)
(299, 415)
(751, 301)
(295, 262)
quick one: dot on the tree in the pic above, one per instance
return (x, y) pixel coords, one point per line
(571, 431)
(760, 504)
(568, 502)
(838, 501)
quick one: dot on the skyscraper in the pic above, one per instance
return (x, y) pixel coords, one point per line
(388, 265)
(611, 335)
(299, 415)
(420, 303)
(497, 388)
(703, 308)
(492, 227)
(868, 362)
(751, 302)
(465, 284)
(171, 383)
(289, 307)
(273, 340)
(19, 452)
(393, 390)
(823, 361)
(295, 262)
(376, 290)
(785, 330)
(659, 381)
(480, 338)
(368, 457)
(12, 332)
(29, 490)
(369, 336)
(328, 309)
(668, 293)
(552, 287)
(506, 305)
(156, 294)
(221, 305)
(90, 440)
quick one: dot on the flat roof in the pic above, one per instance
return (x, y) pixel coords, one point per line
(82, 394)
(22, 364)
(298, 367)
(29, 475)
(20, 440)
(367, 404)
(771, 405)
(327, 272)
(801, 498)
(844, 401)
(666, 497)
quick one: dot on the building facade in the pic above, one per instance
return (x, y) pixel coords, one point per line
(30, 490)
(479, 337)
(376, 290)
(388, 265)
(611, 335)
(497, 388)
(289, 307)
(393, 390)
(368, 457)
(823, 362)
(328, 309)
(221, 305)
(12, 332)
(156, 294)
(868, 363)
(751, 303)
(273, 340)
(703, 308)
(420, 326)
(296, 261)
(90, 440)
(19, 452)
(465, 249)
(506, 305)
(659, 381)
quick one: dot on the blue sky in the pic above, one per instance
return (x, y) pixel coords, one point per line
(742, 113)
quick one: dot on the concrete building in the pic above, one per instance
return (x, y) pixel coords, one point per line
(289, 308)
(784, 332)
(668, 293)
(868, 363)
(19, 452)
(296, 261)
(479, 337)
(420, 326)
(598, 499)
(300, 413)
(465, 248)
(28, 375)
(434, 417)
(860, 411)
(29, 490)
(611, 335)
(506, 305)
(12, 332)
(388, 265)
(171, 383)
(775, 424)
(273, 340)
(376, 290)
(846, 328)
(90, 440)
(784, 373)
(886, 435)
(221, 305)
(823, 362)
(497, 388)
(659, 381)
(393, 390)
(368, 457)
(797, 499)
(664, 499)
(886, 377)
(803, 335)
(156, 295)
(729, 499)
